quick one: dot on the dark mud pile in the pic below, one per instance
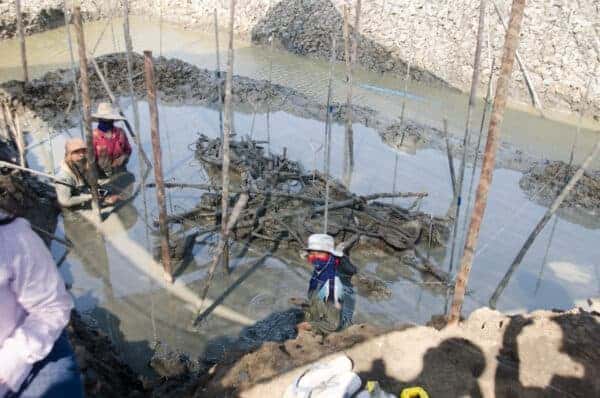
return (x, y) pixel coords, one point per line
(25, 196)
(544, 181)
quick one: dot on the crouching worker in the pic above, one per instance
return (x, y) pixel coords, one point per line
(110, 142)
(75, 193)
(36, 359)
(325, 290)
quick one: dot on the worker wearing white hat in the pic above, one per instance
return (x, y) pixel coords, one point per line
(111, 146)
(325, 290)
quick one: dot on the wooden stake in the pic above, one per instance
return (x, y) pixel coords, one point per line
(227, 130)
(87, 118)
(467, 136)
(21, 32)
(489, 159)
(158, 171)
(328, 132)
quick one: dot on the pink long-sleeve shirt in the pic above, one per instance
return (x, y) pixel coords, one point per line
(34, 305)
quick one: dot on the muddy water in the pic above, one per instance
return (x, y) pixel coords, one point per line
(111, 278)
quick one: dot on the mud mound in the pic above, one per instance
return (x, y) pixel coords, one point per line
(544, 181)
(274, 358)
(104, 374)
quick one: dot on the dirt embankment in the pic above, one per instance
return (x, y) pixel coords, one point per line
(558, 44)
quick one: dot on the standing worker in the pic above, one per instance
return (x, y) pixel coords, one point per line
(36, 359)
(111, 146)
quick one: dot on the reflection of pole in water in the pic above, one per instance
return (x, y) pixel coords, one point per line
(486, 109)
(328, 132)
(542, 223)
(467, 135)
(571, 157)
(395, 176)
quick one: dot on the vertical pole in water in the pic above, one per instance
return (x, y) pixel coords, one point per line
(218, 74)
(489, 159)
(73, 68)
(450, 159)
(227, 127)
(158, 172)
(467, 136)
(21, 32)
(328, 132)
(350, 58)
(87, 119)
(20, 140)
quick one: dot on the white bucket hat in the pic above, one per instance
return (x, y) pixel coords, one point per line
(323, 243)
(107, 112)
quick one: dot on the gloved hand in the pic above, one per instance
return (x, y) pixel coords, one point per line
(120, 161)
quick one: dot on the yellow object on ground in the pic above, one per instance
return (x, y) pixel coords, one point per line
(414, 392)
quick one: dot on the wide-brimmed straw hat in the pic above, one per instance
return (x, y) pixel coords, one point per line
(107, 112)
(323, 243)
(74, 144)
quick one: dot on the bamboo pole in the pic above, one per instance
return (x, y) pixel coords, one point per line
(486, 109)
(73, 68)
(467, 135)
(489, 159)
(158, 171)
(350, 57)
(218, 73)
(328, 132)
(21, 32)
(227, 130)
(542, 223)
(87, 119)
(534, 97)
(569, 185)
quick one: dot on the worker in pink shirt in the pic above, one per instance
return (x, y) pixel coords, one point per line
(111, 146)
(36, 359)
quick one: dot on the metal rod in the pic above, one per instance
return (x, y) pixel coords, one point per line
(87, 118)
(158, 171)
(328, 132)
(489, 159)
(35, 172)
(227, 131)
(21, 32)
(467, 135)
